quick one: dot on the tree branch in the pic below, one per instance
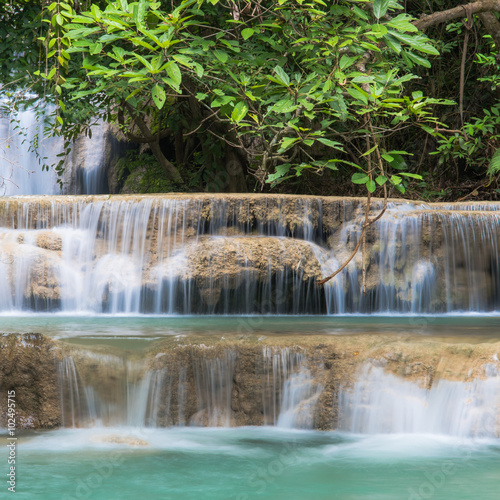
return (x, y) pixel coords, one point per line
(458, 12)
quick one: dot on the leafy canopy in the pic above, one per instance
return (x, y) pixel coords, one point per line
(294, 85)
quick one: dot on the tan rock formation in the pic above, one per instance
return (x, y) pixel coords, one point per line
(28, 367)
(187, 369)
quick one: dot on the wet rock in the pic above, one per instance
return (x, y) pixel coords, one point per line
(28, 366)
(203, 380)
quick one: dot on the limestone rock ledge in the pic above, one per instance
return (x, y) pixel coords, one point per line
(28, 366)
(95, 252)
(182, 371)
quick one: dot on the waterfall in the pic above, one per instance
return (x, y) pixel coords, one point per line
(214, 384)
(193, 386)
(242, 255)
(72, 401)
(126, 394)
(381, 402)
(290, 392)
(21, 168)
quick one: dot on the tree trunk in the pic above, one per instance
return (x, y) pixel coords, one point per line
(168, 167)
(153, 140)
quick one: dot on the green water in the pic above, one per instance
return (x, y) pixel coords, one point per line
(248, 463)
(99, 327)
(253, 463)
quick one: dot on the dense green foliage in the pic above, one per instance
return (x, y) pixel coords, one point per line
(314, 96)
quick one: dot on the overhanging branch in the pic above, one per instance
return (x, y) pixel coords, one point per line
(457, 13)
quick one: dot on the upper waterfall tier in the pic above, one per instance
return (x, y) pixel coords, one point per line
(244, 254)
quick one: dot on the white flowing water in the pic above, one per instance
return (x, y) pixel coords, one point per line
(20, 167)
(133, 394)
(381, 402)
(28, 157)
(252, 463)
(290, 392)
(161, 254)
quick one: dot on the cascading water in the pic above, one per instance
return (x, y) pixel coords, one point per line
(243, 255)
(161, 254)
(22, 169)
(380, 402)
(290, 392)
(214, 384)
(197, 392)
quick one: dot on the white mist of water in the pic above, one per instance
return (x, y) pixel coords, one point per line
(381, 402)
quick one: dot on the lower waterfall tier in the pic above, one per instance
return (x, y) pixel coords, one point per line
(363, 383)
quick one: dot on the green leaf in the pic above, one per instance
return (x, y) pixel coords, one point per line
(281, 170)
(371, 186)
(395, 179)
(95, 48)
(199, 70)
(281, 76)
(402, 23)
(144, 61)
(370, 151)
(183, 60)
(239, 112)
(359, 178)
(287, 143)
(358, 95)
(159, 96)
(392, 43)
(494, 166)
(170, 83)
(346, 61)
(331, 144)
(417, 42)
(381, 180)
(247, 33)
(363, 79)
(284, 106)
(221, 56)
(119, 52)
(413, 176)
(380, 8)
(174, 72)
(221, 101)
(398, 161)
(421, 61)
(140, 12)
